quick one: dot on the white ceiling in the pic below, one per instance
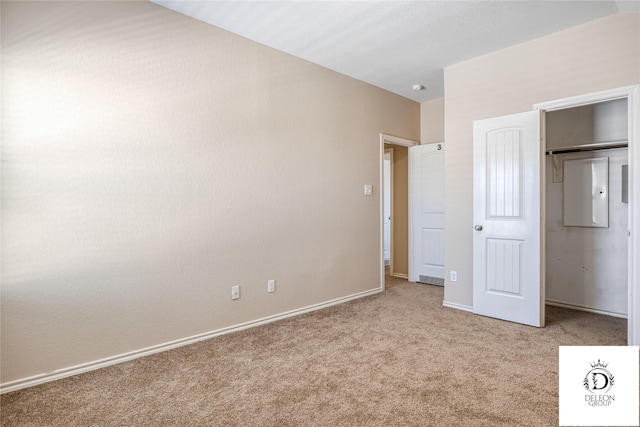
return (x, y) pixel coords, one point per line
(394, 45)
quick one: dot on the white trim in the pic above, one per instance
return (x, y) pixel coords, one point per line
(125, 357)
(457, 306)
(583, 308)
(395, 140)
(589, 98)
(401, 276)
(632, 93)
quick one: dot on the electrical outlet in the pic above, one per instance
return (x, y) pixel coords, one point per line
(271, 286)
(454, 276)
(235, 292)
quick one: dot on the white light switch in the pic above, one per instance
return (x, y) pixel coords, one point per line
(368, 190)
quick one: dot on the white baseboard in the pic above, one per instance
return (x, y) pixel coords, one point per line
(401, 275)
(457, 306)
(548, 302)
(583, 308)
(125, 357)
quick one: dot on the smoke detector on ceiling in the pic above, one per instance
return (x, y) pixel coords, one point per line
(418, 87)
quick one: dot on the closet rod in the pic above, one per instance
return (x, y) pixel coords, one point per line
(587, 147)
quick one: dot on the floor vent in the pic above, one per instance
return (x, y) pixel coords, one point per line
(438, 281)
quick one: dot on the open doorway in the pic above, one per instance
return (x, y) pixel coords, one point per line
(396, 195)
(587, 207)
(625, 180)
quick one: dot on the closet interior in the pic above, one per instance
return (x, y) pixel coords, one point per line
(587, 207)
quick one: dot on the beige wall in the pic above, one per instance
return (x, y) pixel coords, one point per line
(599, 55)
(150, 162)
(432, 121)
(400, 214)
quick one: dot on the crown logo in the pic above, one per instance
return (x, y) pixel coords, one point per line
(599, 364)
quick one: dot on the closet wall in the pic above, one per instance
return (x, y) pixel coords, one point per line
(587, 266)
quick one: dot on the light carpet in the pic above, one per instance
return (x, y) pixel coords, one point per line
(398, 358)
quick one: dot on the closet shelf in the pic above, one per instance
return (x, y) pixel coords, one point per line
(588, 147)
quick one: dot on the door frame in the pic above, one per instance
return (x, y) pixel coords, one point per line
(632, 94)
(403, 142)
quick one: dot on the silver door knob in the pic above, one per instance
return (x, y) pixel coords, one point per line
(478, 228)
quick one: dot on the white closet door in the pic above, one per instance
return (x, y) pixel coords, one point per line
(426, 172)
(507, 279)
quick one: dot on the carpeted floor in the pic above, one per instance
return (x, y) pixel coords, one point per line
(395, 359)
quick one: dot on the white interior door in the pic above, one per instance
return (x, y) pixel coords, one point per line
(508, 209)
(387, 206)
(426, 206)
